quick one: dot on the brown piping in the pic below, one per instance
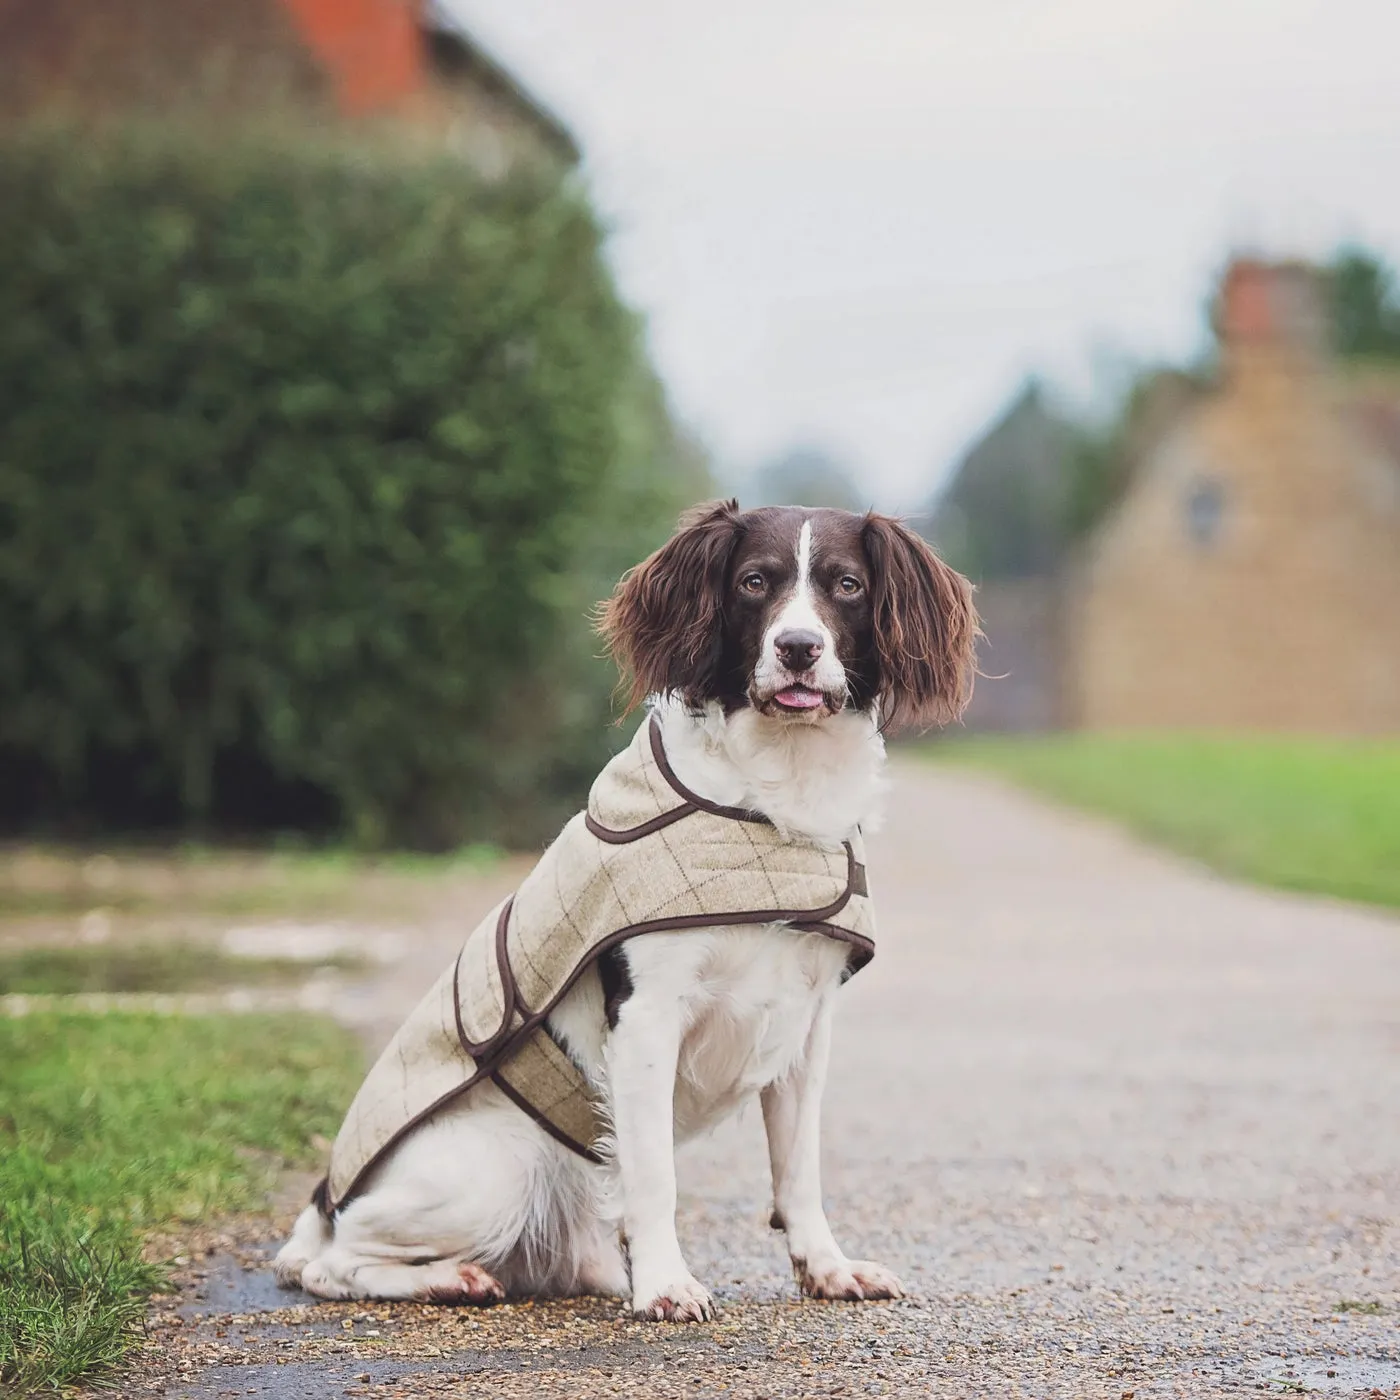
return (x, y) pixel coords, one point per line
(658, 752)
(862, 948)
(635, 833)
(808, 921)
(329, 1207)
(510, 993)
(496, 1049)
(552, 1128)
(797, 917)
(811, 921)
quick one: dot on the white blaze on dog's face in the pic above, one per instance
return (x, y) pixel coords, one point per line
(813, 619)
(798, 613)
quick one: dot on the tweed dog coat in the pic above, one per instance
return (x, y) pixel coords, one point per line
(647, 855)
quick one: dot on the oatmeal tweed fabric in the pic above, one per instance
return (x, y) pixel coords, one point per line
(647, 855)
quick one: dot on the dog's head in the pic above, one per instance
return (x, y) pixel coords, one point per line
(800, 614)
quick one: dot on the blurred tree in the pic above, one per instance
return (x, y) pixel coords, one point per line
(805, 476)
(1103, 458)
(1365, 304)
(1004, 512)
(312, 463)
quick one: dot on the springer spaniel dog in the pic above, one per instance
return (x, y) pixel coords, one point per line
(774, 647)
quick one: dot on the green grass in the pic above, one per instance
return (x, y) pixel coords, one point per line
(1302, 814)
(146, 967)
(113, 1125)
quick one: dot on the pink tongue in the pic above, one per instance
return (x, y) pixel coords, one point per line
(795, 698)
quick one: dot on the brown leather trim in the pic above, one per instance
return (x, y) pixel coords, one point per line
(859, 884)
(635, 833)
(862, 948)
(457, 994)
(330, 1207)
(510, 989)
(510, 993)
(499, 1047)
(553, 1129)
(813, 919)
(658, 752)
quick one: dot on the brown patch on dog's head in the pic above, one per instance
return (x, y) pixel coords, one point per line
(797, 612)
(663, 624)
(924, 627)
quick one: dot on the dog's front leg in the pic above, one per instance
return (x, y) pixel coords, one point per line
(792, 1115)
(641, 1057)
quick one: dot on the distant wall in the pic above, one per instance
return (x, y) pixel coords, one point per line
(1021, 657)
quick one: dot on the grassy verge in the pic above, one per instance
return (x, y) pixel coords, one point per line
(1302, 814)
(112, 1125)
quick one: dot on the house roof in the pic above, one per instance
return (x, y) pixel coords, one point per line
(379, 52)
(456, 51)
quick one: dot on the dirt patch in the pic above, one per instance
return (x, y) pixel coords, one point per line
(56, 970)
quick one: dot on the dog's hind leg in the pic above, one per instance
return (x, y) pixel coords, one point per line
(474, 1203)
(341, 1272)
(310, 1235)
(602, 1268)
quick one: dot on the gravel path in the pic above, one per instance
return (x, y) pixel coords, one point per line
(1124, 1128)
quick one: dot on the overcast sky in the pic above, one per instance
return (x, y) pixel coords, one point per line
(860, 223)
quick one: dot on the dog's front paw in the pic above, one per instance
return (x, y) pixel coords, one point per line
(847, 1280)
(684, 1301)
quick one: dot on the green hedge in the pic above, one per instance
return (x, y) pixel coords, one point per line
(311, 463)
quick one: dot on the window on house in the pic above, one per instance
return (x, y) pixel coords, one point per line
(1205, 512)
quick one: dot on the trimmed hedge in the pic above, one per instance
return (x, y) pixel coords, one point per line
(311, 463)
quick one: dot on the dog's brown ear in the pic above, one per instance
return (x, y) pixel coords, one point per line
(664, 622)
(925, 627)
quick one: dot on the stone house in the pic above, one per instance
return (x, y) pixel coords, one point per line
(404, 65)
(1248, 575)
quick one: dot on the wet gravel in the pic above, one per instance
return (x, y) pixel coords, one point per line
(1125, 1129)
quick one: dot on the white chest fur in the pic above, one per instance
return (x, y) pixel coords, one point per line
(748, 1017)
(819, 781)
(747, 996)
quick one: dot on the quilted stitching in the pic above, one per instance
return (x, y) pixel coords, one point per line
(703, 866)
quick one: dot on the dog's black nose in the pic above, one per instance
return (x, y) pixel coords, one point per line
(798, 648)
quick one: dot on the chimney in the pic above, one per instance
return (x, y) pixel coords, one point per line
(372, 50)
(1274, 308)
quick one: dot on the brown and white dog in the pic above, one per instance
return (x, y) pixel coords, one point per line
(775, 647)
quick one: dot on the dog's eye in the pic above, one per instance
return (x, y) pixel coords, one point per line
(849, 585)
(752, 583)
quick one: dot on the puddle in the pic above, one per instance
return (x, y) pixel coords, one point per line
(160, 968)
(296, 1380)
(231, 1286)
(1338, 1375)
(314, 943)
